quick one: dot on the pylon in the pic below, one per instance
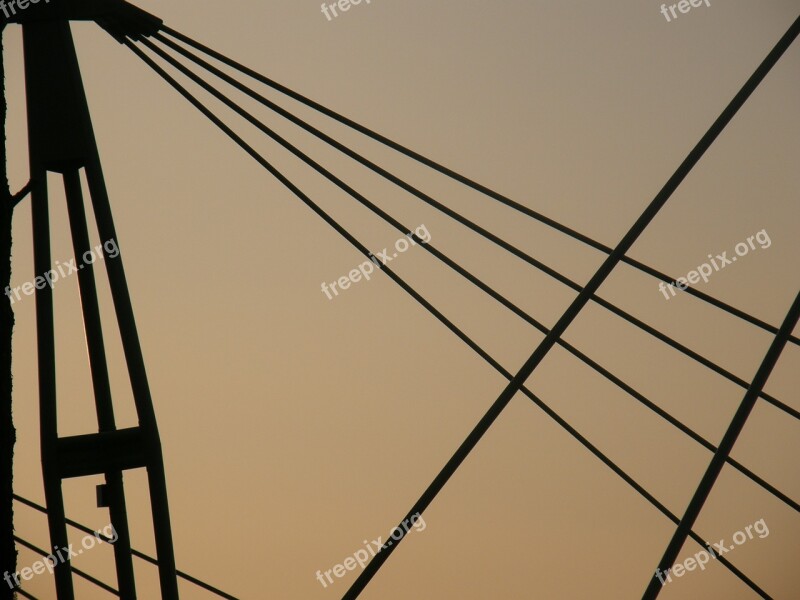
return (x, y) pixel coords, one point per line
(61, 140)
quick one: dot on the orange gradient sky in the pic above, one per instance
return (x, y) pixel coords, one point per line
(294, 427)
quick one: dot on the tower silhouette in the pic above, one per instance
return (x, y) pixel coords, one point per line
(61, 140)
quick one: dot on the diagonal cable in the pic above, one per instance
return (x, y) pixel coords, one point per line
(463, 272)
(488, 235)
(206, 586)
(433, 165)
(578, 304)
(726, 445)
(336, 226)
(75, 570)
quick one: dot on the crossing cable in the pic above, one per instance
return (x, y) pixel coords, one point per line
(463, 272)
(75, 570)
(134, 552)
(726, 445)
(22, 592)
(429, 307)
(491, 237)
(441, 169)
(577, 305)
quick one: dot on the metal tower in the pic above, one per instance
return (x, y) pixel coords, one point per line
(61, 140)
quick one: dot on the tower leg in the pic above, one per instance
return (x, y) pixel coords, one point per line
(100, 380)
(48, 417)
(138, 375)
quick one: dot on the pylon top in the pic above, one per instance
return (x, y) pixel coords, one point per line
(118, 17)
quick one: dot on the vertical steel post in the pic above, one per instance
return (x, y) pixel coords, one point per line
(48, 414)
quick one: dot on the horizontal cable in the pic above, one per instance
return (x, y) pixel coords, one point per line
(405, 286)
(463, 272)
(488, 235)
(77, 571)
(136, 553)
(462, 179)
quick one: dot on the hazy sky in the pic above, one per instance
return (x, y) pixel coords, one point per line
(294, 427)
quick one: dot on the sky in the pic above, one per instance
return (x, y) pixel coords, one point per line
(297, 428)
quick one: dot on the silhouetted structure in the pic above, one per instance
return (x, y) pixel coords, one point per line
(61, 140)
(65, 144)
